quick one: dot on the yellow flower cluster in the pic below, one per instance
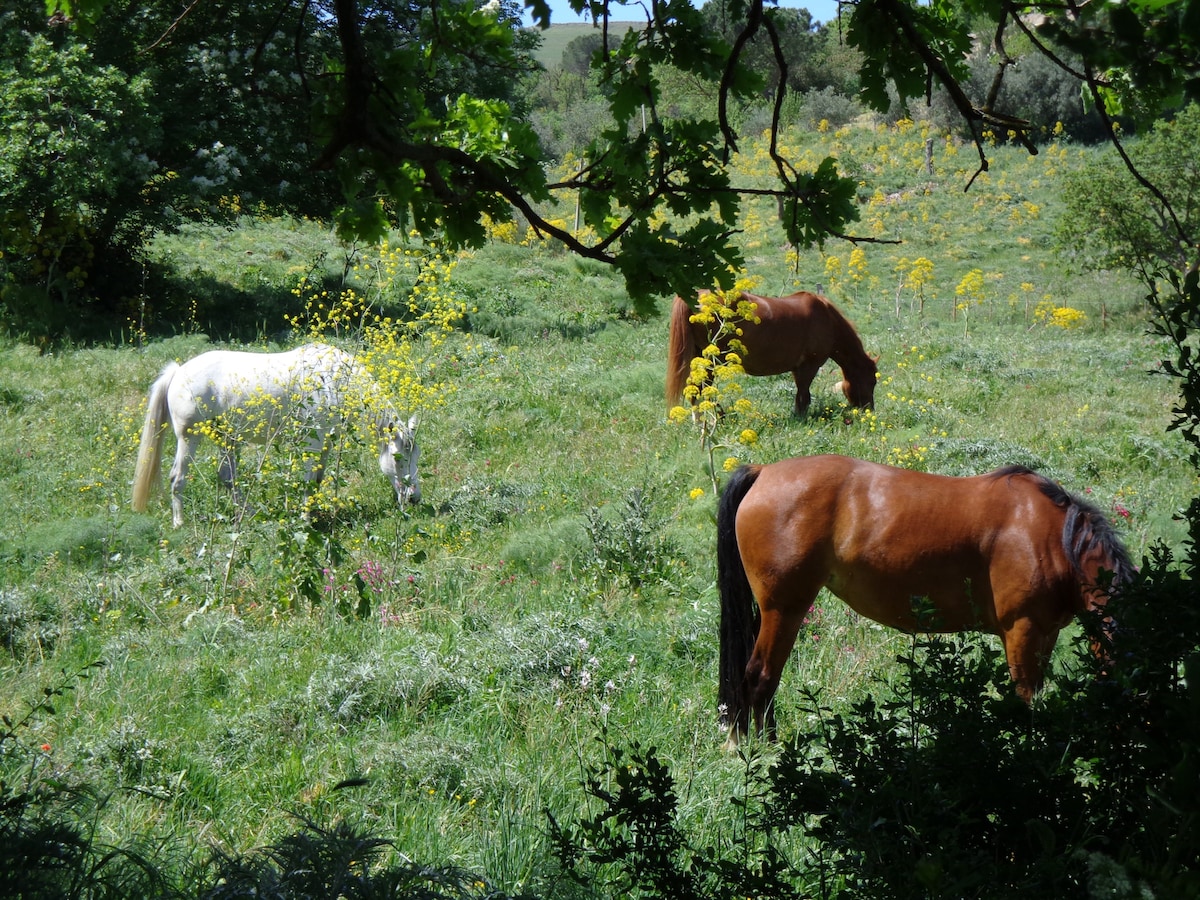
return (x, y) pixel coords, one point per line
(971, 288)
(403, 352)
(713, 385)
(503, 232)
(1054, 316)
(858, 264)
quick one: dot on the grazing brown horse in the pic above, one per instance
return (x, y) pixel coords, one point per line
(1009, 552)
(796, 334)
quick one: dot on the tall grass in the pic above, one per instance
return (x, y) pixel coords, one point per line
(557, 584)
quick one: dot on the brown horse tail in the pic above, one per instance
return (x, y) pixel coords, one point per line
(681, 350)
(739, 613)
(148, 469)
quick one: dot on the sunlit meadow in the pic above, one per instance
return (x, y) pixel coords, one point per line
(555, 588)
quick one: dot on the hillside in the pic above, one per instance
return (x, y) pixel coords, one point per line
(556, 38)
(446, 675)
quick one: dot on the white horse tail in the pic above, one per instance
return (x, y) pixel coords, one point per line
(149, 467)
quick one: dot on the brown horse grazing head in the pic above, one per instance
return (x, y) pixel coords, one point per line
(861, 391)
(1009, 552)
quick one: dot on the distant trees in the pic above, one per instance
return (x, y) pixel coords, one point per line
(418, 115)
(125, 119)
(577, 55)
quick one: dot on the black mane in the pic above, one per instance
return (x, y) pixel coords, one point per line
(1085, 525)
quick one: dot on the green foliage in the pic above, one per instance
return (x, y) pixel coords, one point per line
(1069, 786)
(420, 114)
(798, 43)
(1148, 51)
(863, 785)
(1179, 319)
(824, 202)
(330, 863)
(1112, 221)
(889, 792)
(631, 548)
(77, 193)
(577, 55)
(634, 845)
(900, 43)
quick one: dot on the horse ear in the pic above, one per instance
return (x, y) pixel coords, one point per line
(412, 423)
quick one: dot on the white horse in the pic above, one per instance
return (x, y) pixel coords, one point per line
(312, 386)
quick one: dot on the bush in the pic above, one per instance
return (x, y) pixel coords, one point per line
(947, 785)
(76, 199)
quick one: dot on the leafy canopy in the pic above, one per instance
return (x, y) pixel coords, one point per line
(412, 108)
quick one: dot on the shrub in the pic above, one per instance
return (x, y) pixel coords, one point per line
(630, 548)
(75, 199)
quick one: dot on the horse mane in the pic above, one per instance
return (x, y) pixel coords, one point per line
(1085, 525)
(849, 341)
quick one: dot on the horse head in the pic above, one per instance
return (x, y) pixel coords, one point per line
(398, 458)
(859, 386)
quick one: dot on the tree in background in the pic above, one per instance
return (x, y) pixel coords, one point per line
(1114, 222)
(415, 115)
(143, 116)
(797, 38)
(76, 174)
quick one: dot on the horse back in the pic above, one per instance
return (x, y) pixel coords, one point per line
(789, 331)
(219, 382)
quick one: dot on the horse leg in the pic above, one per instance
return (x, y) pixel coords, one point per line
(227, 473)
(1028, 646)
(776, 636)
(803, 375)
(185, 449)
(315, 456)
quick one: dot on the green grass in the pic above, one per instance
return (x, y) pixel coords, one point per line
(558, 35)
(509, 630)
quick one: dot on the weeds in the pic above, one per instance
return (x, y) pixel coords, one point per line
(631, 548)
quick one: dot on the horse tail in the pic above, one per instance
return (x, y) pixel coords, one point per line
(739, 613)
(681, 350)
(148, 468)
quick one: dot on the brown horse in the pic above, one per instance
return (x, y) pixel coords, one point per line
(796, 334)
(1009, 552)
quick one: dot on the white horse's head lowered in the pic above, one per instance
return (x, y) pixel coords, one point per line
(398, 458)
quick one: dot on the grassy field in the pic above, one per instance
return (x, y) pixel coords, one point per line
(558, 35)
(555, 589)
